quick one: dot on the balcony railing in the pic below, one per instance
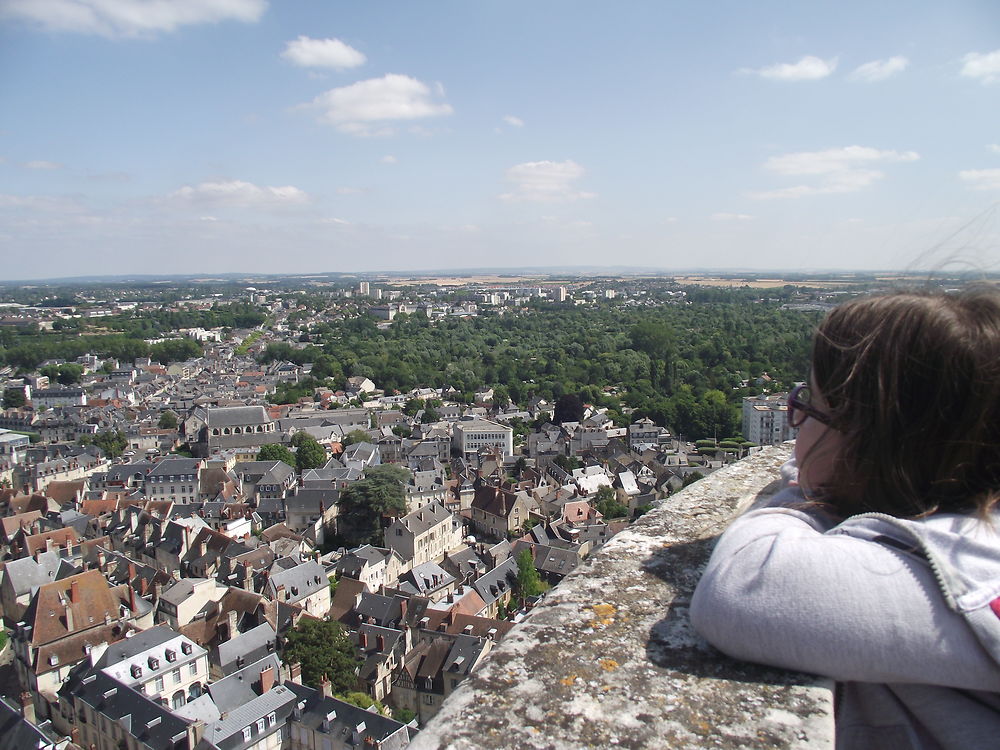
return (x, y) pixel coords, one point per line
(609, 658)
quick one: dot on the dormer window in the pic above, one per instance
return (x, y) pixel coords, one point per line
(136, 670)
(186, 648)
(171, 655)
(154, 663)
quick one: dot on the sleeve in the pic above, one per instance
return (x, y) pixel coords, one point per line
(779, 591)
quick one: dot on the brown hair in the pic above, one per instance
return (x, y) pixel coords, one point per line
(912, 380)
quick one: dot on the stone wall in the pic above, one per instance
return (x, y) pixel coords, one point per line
(609, 659)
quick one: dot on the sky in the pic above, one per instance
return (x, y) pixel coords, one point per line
(317, 136)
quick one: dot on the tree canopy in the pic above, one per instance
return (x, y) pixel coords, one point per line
(276, 452)
(528, 582)
(606, 502)
(309, 454)
(323, 649)
(363, 503)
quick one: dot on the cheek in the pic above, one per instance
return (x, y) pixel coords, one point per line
(816, 455)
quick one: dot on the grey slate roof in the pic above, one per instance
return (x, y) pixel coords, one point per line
(233, 416)
(351, 725)
(19, 733)
(26, 574)
(135, 712)
(251, 646)
(227, 733)
(300, 581)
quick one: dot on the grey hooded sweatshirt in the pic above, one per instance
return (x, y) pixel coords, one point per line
(905, 615)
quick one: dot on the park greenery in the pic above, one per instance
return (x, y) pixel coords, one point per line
(685, 366)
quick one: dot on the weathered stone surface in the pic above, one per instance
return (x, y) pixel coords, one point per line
(609, 659)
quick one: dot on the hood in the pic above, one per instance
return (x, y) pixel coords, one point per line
(963, 552)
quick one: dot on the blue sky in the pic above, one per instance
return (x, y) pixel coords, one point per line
(209, 136)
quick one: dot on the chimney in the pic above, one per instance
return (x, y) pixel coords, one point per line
(247, 576)
(27, 707)
(195, 731)
(326, 687)
(266, 679)
(362, 639)
(74, 592)
(231, 622)
(295, 672)
(380, 643)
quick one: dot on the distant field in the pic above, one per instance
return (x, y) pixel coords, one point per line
(823, 280)
(485, 280)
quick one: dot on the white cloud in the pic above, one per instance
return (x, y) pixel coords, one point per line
(984, 67)
(42, 165)
(993, 148)
(365, 107)
(879, 70)
(981, 179)
(388, 159)
(240, 194)
(840, 170)
(722, 216)
(809, 68)
(128, 17)
(545, 182)
(322, 53)
(514, 122)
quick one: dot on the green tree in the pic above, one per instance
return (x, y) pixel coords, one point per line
(363, 504)
(363, 700)
(175, 350)
(355, 436)
(65, 374)
(566, 463)
(167, 421)
(276, 452)
(112, 442)
(323, 649)
(309, 454)
(13, 398)
(606, 502)
(528, 582)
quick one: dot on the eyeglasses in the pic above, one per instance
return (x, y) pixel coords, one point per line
(799, 407)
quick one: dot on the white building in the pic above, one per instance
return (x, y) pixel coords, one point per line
(765, 419)
(470, 434)
(159, 663)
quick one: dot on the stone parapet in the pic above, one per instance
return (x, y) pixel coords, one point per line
(609, 658)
